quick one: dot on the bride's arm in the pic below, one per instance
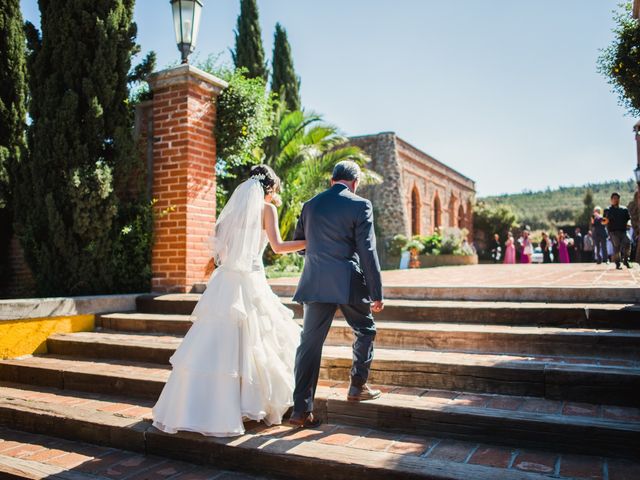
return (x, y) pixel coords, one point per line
(273, 233)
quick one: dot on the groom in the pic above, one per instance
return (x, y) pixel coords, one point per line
(341, 271)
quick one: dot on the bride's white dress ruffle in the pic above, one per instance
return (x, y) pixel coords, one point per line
(236, 362)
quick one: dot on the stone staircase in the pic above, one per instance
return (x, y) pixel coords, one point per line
(473, 389)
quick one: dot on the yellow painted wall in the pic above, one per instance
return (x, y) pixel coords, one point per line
(27, 336)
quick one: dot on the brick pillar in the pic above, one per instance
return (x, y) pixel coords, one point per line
(183, 182)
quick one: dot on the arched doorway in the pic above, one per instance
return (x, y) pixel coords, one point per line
(415, 211)
(461, 218)
(437, 213)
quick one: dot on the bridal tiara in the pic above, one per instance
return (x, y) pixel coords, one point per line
(258, 176)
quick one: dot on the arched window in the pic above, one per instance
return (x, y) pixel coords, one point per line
(452, 211)
(437, 212)
(462, 221)
(415, 211)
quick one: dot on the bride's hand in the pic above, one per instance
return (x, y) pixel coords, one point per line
(208, 270)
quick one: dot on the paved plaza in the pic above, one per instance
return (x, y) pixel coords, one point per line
(536, 275)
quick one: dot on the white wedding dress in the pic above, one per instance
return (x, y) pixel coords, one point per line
(236, 361)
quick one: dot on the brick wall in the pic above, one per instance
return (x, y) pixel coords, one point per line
(183, 181)
(20, 279)
(411, 175)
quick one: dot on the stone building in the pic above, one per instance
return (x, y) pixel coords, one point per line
(419, 193)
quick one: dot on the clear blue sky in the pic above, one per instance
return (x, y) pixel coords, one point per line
(505, 91)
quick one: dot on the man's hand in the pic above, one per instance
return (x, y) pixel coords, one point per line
(377, 306)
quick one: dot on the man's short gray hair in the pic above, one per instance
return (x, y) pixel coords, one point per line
(346, 170)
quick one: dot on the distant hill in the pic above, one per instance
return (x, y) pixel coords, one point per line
(548, 208)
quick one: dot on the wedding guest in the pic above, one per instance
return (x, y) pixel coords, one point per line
(554, 249)
(599, 236)
(526, 247)
(545, 246)
(563, 251)
(570, 248)
(616, 219)
(510, 250)
(578, 245)
(587, 252)
(496, 249)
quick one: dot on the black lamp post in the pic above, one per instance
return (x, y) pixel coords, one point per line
(186, 23)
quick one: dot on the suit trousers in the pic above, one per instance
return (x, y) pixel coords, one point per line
(317, 322)
(600, 248)
(621, 244)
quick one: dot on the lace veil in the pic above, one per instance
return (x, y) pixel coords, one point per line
(236, 238)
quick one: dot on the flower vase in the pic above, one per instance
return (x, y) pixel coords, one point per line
(415, 259)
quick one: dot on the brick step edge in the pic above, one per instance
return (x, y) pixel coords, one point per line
(402, 335)
(581, 383)
(483, 293)
(407, 414)
(508, 313)
(511, 429)
(256, 454)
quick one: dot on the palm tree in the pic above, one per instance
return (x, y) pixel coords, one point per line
(303, 150)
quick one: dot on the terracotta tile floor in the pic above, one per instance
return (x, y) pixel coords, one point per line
(82, 458)
(90, 458)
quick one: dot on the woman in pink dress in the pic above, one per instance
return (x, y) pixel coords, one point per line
(527, 247)
(510, 250)
(563, 251)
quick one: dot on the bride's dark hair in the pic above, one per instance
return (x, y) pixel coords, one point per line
(268, 179)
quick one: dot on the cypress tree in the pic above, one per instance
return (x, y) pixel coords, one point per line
(13, 93)
(249, 52)
(584, 218)
(284, 81)
(81, 145)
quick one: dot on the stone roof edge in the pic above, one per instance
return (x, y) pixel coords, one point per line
(435, 160)
(420, 152)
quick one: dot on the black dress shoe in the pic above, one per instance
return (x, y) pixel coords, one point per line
(304, 420)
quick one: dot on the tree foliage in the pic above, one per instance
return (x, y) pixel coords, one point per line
(284, 81)
(490, 219)
(303, 151)
(81, 197)
(620, 61)
(533, 208)
(248, 52)
(13, 95)
(584, 219)
(244, 117)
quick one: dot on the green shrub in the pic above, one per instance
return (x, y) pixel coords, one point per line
(432, 243)
(396, 245)
(414, 244)
(285, 266)
(454, 242)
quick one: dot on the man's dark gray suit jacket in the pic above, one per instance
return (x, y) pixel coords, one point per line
(341, 262)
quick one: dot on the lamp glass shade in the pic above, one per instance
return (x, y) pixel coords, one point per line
(186, 23)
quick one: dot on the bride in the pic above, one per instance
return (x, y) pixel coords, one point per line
(236, 361)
